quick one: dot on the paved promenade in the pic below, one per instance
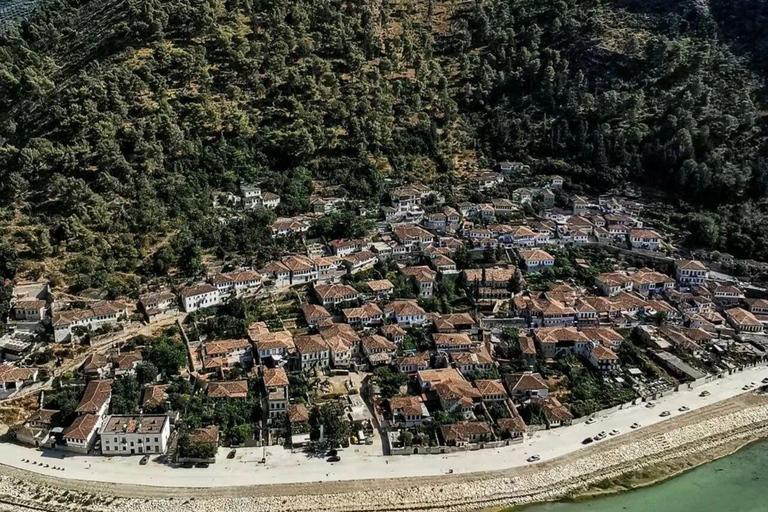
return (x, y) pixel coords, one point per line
(367, 462)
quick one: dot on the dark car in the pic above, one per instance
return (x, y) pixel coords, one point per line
(333, 452)
(187, 465)
(202, 465)
(144, 460)
(587, 440)
(231, 454)
(334, 458)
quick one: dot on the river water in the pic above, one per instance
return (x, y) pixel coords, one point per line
(737, 483)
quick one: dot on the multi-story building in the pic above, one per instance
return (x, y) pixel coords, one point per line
(199, 296)
(312, 351)
(135, 435)
(97, 315)
(276, 385)
(691, 272)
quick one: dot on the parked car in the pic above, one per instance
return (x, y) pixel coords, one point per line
(601, 435)
(334, 458)
(704, 393)
(534, 458)
(684, 409)
(231, 454)
(650, 405)
(665, 414)
(615, 432)
(635, 425)
(591, 420)
(332, 452)
(587, 440)
(144, 460)
(202, 465)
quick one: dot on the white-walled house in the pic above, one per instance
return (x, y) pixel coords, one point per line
(98, 314)
(691, 272)
(135, 435)
(199, 296)
(81, 434)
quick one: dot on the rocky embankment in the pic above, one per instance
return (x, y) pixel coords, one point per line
(711, 430)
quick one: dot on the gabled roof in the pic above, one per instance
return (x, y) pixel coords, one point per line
(514, 424)
(197, 289)
(228, 389)
(380, 285)
(306, 343)
(275, 377)
(298, 413)
(464, 431)
(367, 310)
(452, 339)
(334, 291)
(155, 396)
(82, 427)
(527, 381)
(690, 265)
(205, 435)
(377, 342)
(314, 311)
(743, 317)
(421, 274)
(405, 308)
(344, 331)
(408, 405)
(488, 387)
(97, 393)
(604, 353)
(224, 347)
(127, 360)
(535, 255)
(527, 346)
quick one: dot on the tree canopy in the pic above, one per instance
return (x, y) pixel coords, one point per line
(118, 123)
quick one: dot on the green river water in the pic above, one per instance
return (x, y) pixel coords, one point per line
(737, 483)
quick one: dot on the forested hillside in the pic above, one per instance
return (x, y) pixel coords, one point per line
(119, 118)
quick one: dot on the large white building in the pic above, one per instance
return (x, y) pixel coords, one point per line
(199, 296)
(134, 435)
(98, 314)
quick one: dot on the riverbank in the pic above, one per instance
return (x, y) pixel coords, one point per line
(735, 483)
(649, 476)
(699, 435)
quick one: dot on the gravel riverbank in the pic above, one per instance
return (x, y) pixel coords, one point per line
(711, 430)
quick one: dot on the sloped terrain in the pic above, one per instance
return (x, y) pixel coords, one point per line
(118, 118)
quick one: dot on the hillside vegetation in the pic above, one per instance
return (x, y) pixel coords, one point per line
(119, 118)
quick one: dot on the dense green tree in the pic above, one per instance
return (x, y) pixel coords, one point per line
(336, 428)
(167, 355)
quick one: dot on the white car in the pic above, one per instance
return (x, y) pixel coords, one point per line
(684, 409)
(650, 405)
(615, 432)
(765, 380)
(591, 420)
(634, 425)
(534, 458)
(665, 414)
(601, 435)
